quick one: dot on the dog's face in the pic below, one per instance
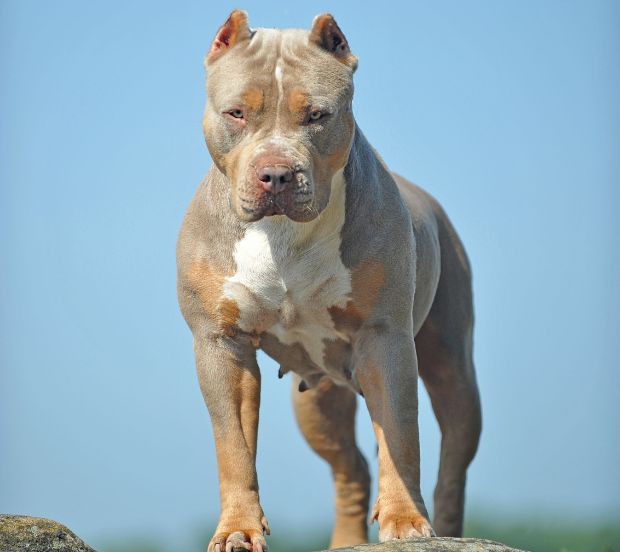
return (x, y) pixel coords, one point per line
(278, 120)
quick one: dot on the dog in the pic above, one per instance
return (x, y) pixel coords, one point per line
(302, 243)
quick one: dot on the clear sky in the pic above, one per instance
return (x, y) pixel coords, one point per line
(507, 112)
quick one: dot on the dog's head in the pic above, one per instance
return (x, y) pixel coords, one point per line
(278, 121)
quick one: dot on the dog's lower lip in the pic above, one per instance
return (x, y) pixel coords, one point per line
(274, 209)
(248, 211)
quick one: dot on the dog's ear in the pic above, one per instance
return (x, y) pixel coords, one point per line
(233, 31)
(326, 34)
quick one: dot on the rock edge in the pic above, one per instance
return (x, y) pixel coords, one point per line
(30, 534)
(436, 544)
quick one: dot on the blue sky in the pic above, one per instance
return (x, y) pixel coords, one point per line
(507, 112)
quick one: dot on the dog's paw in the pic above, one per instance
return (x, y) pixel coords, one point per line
(404, 527)
(401, 523)
(238, 541)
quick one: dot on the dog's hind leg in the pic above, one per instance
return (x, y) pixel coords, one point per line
(445, 364)
(326, 417)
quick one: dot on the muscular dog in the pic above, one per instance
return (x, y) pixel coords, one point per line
(302, 243)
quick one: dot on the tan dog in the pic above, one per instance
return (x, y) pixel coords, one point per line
(301, 242)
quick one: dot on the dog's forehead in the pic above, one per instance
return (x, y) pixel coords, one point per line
(274, 59)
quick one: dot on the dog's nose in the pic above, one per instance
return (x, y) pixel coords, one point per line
(275, 178)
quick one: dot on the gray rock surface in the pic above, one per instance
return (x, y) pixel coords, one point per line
(29, 534)
(442, 544)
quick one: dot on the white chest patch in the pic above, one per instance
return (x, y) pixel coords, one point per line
(288, 275)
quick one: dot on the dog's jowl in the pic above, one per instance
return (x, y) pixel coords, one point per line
(301, 242)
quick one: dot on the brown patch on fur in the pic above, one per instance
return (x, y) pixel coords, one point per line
(292, 357)
(227, 162)
(230, 162)
(392, 404)
(205, 125)
(253, 98)
(339, 157)
(232, 395)
(326, 417)
(209, 285)
(347, 320)
(367, 280)
(229, 314)
(298, 101)
(230, 33)
(337, 358)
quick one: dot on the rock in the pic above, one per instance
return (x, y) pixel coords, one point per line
(437, 544)
(29, 534)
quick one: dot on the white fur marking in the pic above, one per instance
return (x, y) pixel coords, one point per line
(294, 271)
(278, 76)
(278, 73)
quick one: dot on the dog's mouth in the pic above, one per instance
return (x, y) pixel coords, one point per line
(295, 207)
(273, 207)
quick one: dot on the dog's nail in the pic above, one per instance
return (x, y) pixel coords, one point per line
(374, 516)
(280, 373)
(347, 373)
(303, 386)
(361, 393)
(265, 525)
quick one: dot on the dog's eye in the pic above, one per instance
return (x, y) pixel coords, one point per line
(236, 113)
(315, 115)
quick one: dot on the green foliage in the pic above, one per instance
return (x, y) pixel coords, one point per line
(133, 545)
(536, 535)
(549, 536)
(291, 542)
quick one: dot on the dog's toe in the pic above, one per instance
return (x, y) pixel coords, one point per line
(396, 527)
(239, 541)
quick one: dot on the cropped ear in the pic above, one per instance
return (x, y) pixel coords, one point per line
(326, 34)
(233, 31)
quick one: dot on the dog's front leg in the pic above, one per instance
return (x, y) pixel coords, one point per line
(387, 373)
(230, 382)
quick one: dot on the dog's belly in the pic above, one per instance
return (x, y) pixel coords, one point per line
(311, 349)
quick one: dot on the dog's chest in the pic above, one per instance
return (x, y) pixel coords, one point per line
(287, 292)
(288, 276)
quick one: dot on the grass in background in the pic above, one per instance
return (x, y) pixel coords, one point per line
(297, 542)
(535, 536)
(538, 535)
(131, 544)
